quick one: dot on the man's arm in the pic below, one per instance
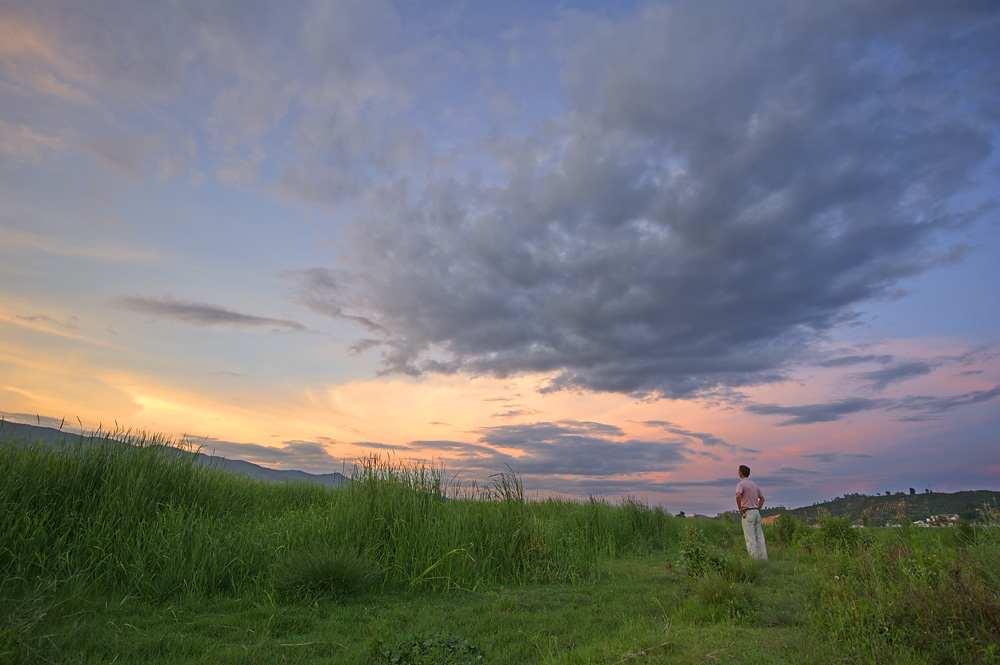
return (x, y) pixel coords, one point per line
(739, 502)
(760, 502)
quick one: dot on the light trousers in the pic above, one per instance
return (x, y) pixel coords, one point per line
(754, 534)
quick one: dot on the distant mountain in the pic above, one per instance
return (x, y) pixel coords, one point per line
(891, 509)
(59, 438)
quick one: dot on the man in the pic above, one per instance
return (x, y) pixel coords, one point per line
(749, 500)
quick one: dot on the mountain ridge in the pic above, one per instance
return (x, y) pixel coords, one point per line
(893, 508)
(51, 436)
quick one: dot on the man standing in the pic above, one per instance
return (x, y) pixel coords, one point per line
(749, 500)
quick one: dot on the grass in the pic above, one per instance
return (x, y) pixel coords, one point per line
(115, 551)
(636, 606)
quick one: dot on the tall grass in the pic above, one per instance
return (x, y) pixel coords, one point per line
(127, 517)
(128, 514)
(920, 594)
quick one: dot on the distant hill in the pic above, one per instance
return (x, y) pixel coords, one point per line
(891, 509)
(58, 438)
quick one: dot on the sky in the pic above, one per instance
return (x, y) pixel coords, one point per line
(615, 248)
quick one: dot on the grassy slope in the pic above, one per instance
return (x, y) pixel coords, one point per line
(120, 554)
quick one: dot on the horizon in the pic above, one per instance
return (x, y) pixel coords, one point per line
(619, 249)
(185, 445)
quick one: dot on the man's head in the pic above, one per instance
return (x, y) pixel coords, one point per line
(744, 471)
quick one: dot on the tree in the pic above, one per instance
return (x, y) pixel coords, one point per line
(912, 491)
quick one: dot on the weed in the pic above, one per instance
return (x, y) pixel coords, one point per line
(433, 649)
(890, 600)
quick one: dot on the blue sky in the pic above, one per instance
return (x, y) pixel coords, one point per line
(620, 248)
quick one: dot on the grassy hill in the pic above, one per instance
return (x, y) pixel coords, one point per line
(64, 439)
(891, 509)
(125, 551)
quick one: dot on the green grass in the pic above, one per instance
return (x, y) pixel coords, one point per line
(126, 552)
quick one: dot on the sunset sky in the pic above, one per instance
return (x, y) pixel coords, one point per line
(618, 248)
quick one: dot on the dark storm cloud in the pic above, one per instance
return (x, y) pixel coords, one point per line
(201, 314)
(729, 183)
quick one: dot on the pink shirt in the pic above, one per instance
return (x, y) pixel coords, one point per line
(750, 494)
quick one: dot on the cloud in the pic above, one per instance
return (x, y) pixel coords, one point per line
(819, 413)
(70, 322)
(822, 457)
(725, 187)
(514, 413)
(22, 143)
(570, 449)
(847, 361)
(783, 476)
(706, 439)
(898, 371)
(201, 314)
(307, 95)
(880, 379)
(309, 456)
(43, 421)
(318, 290)
(13, 240)
(927, 406)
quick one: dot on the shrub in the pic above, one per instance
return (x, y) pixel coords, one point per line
(837, 532)
(789, 528)
(332, 573)
(699, 556)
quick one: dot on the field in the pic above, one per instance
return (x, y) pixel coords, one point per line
(121, 551)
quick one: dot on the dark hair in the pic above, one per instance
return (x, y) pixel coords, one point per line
(745, 470)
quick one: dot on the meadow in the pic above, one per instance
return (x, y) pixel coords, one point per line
(117, 549)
